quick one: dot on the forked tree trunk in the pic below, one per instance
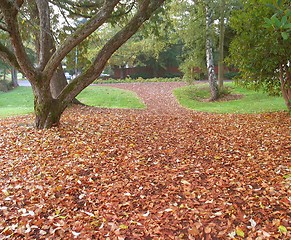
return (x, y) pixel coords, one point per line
(209, 56)
(285, 78)
(50, 101)
(58, 82)
(47, 110)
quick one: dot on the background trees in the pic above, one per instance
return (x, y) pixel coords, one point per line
(201, 25)
(262, 53)
(51, 52)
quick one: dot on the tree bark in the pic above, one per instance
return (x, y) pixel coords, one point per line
(285, 78)
(221, 46)
(58, 82)
(209, 56)
(14, 77)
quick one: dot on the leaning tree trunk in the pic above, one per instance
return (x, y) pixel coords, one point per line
(285, 78)
(209, 56)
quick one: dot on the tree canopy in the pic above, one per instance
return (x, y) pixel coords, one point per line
(51, 50)
(262, 51)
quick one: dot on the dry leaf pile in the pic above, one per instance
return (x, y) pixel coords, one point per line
(126, 174)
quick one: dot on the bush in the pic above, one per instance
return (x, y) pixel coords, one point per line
(137, 80)
(231, 75)
(5, 86)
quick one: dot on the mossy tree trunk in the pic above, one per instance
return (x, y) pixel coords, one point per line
(48, 111)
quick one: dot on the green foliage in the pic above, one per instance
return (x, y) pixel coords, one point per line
(231, 75)
(192, 32)
(251, 101)
(257, 51)
(5, 85)
(281, 20)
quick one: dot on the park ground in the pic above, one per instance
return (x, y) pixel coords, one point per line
(160, 173)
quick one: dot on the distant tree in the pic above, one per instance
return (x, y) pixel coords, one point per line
(209, 52)
(151, 46)
(222, 16)
(51, 52)
(262, 46)
(14, 79)
(195, 26)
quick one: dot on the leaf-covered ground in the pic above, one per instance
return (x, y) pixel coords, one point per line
(160, 173)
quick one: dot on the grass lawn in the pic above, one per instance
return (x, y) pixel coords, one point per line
(251, 101)
(20, 100)
(101, 96)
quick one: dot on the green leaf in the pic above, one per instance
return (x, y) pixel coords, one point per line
(282, 229)
(285, 35)
(286, 26)
(276, 21)
(239, 232)
(284, 20)
(287, 176)
(268, 21)
(288, 12)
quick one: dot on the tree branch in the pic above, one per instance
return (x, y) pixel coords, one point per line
(46, 47)
(78, 84)
(79, 35)
(75, 8)
(10, 11)
(7, 56)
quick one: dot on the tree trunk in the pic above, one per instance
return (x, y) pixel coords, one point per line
(48, 107)
(285, 78)
(221, 46)
(14, 77)
(58, 82)
(47, 110)
(209, 56)
(4, 74)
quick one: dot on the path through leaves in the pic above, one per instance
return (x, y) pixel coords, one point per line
(146, 174)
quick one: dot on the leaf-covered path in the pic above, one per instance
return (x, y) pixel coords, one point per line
(157, 96)
(141, 174)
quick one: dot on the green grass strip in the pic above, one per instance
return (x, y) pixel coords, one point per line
(19, 101)
(108, 97)
(251, 101)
